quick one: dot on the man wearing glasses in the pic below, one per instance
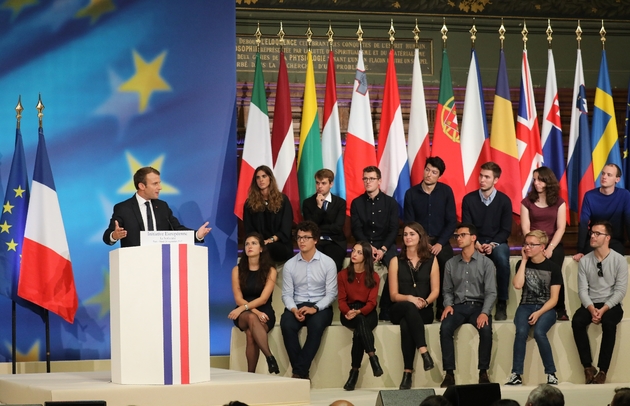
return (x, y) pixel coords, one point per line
(309, 286)
(602, 285)
(607, 202)
(469, 293)
(374, 218)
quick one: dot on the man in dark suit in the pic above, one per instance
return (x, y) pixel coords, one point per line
(329, 213)
(143, 212)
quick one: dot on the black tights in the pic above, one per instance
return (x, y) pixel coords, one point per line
(256, 333)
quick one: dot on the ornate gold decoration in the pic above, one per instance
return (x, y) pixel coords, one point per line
(473, 33)
(40, 110)
(309, 37)
(18, 111)
(391, 32)
(281, 36)
(524, 33)
(578, 34)
(416, 33)
(602, 34)
(549, 32)
(330, 34)
(258, 35)
(360, 36)
(502, 33)
(444, 31)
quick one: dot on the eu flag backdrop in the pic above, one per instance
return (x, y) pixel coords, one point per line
(126, 83)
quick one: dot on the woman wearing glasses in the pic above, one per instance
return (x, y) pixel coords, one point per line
(414, 284)
(253, 280)
(267, 211)
(543, 209)
(358, 290)
(540, 279)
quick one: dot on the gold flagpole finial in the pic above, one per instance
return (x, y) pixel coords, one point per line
(360, 36)
(473, 33)
(309, 37)
(330, 34)
(281, 36)
(549, 32)
(602, 34)
(258, 36)
(18, 111)
(40, 110)
(524, 33)
(391, 33)
(416, 33)
(444, 31)
(502, 33)
(578, 34)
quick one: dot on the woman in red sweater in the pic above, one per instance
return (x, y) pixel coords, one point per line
(358, 289)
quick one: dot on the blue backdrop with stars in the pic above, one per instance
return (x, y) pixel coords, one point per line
(126, 83)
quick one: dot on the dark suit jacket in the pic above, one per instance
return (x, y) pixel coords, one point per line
(331, 221)
(127, 213)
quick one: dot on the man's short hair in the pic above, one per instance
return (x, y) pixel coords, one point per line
(491, 166)
(325, 174)
(372, 168)
(616, 167)
(606, 224)
(621, 398)
(436, 400)
(436, 162)
(540, 234)
(472, 229)
(545, 395)
(141, 175)
(307, 226)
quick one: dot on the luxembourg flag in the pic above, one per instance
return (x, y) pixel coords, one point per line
(418, 147)
(331, 134)
(551, 137)
(46, 277)
(527, 130)
(392, 154)
(360, 137)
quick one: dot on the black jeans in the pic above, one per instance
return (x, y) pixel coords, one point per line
(465, 313)
(412, 321)
(362, 336)
(301, 357)
(581, 319)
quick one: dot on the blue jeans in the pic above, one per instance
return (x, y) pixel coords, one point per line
(501, 258)
(542, 326)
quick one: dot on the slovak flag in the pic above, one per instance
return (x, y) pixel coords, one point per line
(46, 277)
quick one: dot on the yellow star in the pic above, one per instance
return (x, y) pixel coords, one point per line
(134, 165)
(7, 207)
(96, 9)
(31, 355)
(19, 192)
(4, 228)
(101, 298)
(146, 80)
(12, 244)
(16, 6)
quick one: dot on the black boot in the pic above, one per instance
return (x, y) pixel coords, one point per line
(376, 366)
(272, 365)
(406, 381)
(428, 361)
(352, 379)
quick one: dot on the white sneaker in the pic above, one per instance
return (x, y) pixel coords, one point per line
(552, 379)
(515, 379)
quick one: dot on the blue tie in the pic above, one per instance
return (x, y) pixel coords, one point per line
(149, 217)
(325, 205)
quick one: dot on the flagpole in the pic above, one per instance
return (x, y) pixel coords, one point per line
(40, 115)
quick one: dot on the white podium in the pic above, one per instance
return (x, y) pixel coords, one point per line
(159, 314)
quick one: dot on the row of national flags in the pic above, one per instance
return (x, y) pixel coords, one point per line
(35, 266)
(517, 147)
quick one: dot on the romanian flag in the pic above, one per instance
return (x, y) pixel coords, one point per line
(332, 154)
(604, 135)
(257, 146)
(446, 143)
(309, 158)
(503, 139)
(418, 147)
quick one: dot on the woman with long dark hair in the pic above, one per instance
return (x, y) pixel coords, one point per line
(414, 284)
(357, 293)
(544, 209)
(267, 211)
(253, 280)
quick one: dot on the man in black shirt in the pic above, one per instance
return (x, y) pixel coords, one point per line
(432, 204)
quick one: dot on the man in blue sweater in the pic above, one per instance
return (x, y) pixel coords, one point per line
(605, 203)
(491, 212)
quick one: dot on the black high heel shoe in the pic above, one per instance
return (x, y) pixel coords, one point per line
(406, 381)
(352, 379)
(376, 366)
(272, 365)
(427, 361)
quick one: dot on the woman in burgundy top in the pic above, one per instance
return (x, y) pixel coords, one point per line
(544, 209)
(358, 289)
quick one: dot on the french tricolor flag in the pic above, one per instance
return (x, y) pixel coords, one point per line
(46, 276)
